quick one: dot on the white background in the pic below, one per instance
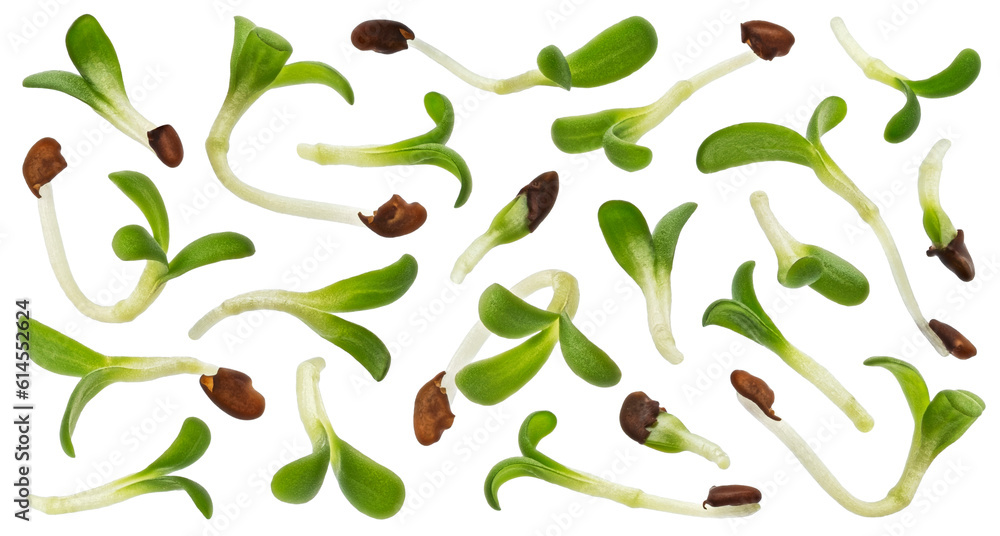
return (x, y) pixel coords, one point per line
(175, 61)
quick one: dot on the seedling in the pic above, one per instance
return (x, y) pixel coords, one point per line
(747, 143)
(230, 390)
(187, 448)
(947, 243)
(937, 424)
(492, 380)
(130, 243)
(805, 264)
(619, 130)
(953, 80)
(315, 309)
(371, 488)
(648, 258)
(744, 315)
(100, 86)
(725, 501)
(613, 54)
(515, 221)
(649, 424)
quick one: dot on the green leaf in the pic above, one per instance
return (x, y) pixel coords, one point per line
(912, 383)
(69, 83)
(932, 226)
(85, 390)
(584, 358)
(202, 500)
(300, 481)
(363, 345)
(189, 445)
(954, 79)
(613, 54)
(625, 154)
(262, 56)
(743, 292)
(534, 429)
(553, 65)
(509, 469)
(243, 27)
(141, 190)
(134, 243)
(371, 488)
(743, 314)
(804, 271)
(441, 111)
(210, 249)
(666, 233)
(827, 115)
(369, 290)
(902, 125)
(508, 316)
(839, 280)
(947, 417)
(585, 133)
(313, 72)
(747, 143)
(94, 56)
(443, 157)
(60, 354)
(492, 380)
(627, 235)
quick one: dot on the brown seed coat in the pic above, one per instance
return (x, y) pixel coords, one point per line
(232, 391)
(731, 495)
(382, 36)
(431, 412)
(395, 218)
(167, 145)
(766, 39)
(541, 194)
(638, 412)
(42, 163)
(955, 256)
(754, 389)
(955, 342)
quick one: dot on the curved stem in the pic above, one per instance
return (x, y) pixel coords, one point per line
(277, 300)
(658, 319)
(783, 243)
(151, 368)
(501, 87)
(472, 255)
(128, 120)
(928, 184)
(636, 498)
(820, 377)
(873, 68)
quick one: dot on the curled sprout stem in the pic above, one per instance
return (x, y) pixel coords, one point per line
(928, 181)
(785, 246)
(819, 376)
(505, 86)
(873, 68)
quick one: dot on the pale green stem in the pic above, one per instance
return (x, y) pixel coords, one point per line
(145, 292)
(786, 247)
(358, 156)
(820, 377)
(928, 182)
(873, 68)
(500, 87)
(472, 255)
(312, 411)
(636, 498)
(128, 120)
(151, 368)
(706, 449)
(658, 297)
(99, 497)
(276, 300)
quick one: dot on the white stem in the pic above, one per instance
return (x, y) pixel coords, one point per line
(873, 68)
(785, 246)
(636, 498)
(327, 155)
(472, 255)
(277, 300)
(928, 185)
(820, 377)
(658, 318)
(500, 87)
(128, 120)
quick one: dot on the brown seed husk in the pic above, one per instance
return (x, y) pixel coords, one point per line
(638, 412)
(955, 256)
(43, 162)
(731, 495)
(167, 145)
(766, 39)
(232, 391)
(431, 412)
(755, 390)
(955, 342)
(395, 218)
(382, 36)
(541, 194)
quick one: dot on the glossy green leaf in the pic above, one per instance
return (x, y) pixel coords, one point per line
(210, 249)
(369, 290)
(743, 292)
(508, 470)
(189, 445)
(371, 488)
(666, 234)
(313, 72)
(954, 79)
(904, 123)
(243, 27)
(748, 143)
(69, 83)
(361, 344)
(300, 481)
(492, 380)
(625, 154)
(613, 54)
(553, 65)
(932, 226)
(584, 358)
(141, 190)
(94, 56)
(60, 354)
(743, 314)
(912, 383)
(839, 280)
(441, 111)
(262, 56)
(947, 417)
(804, 271)
(508, 316)
(437, 155)
(199, 495)
(536, 427)
(585, 133)
(134, 243)
(827, 115)
(627, 235)
(88, 387)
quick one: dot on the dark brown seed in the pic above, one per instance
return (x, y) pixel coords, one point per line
(167, 145)
(754, 389)
(766, 39)
(731, 495)
(382, 36)
(541, 194)
(395, 218)
(955, 342)
(43, 162)
(955, 256)
(638, 413)
(233, 392)
(431, 412)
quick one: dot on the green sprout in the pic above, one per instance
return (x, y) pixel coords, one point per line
(515, 221)
(804, 264)
(748, 143)
(130, 243)
(230, 390)
(649, 424)
(619, 130)
(492, 380)
(937, 424)
(953, 80)
(190, 444)
(315, 309)
(535, 464)
(371, 488)
(947, 243)
(648, 258)
(613, 54)
(744, 315)
(100, 86)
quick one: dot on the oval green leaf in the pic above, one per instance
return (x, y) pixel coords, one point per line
(613, 54)
(369, 290)
(371, 488)
(189, 445)
(947, 417)
(804, 271)
(300, 481)
(507, 470)
(553, 65)
(141, 190)
(314, 72)
(441, 111)
(827, 115)
(134, 243)
(584, 358)
(954, 79)
(904, 123)
(363, 345)
(625, 154)
(199, 495)
(508, 316)
(666, 234)
(60, 354)
(69, 83)
(87, 388)
(748, 143)
(744, 293)
(210, 249)
(910, 381)
(585, 133)
(840, 281)
(95, 58)
(492, 380)
(262, 56)
(627, 235)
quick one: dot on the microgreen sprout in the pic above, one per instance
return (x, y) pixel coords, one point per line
(618, 130)
(315, 309)
(492, 380)
(230, 390)
(748, 143)
(130, 243)
(649, 424)
(535, 464)
(514, 221)
(648, 258)
(947, 243)
(744, 315)
(191, 442)
(953, 80)
(804, 264)
(100, 86)
(613, 54)
(937, 424)
(371, 488)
